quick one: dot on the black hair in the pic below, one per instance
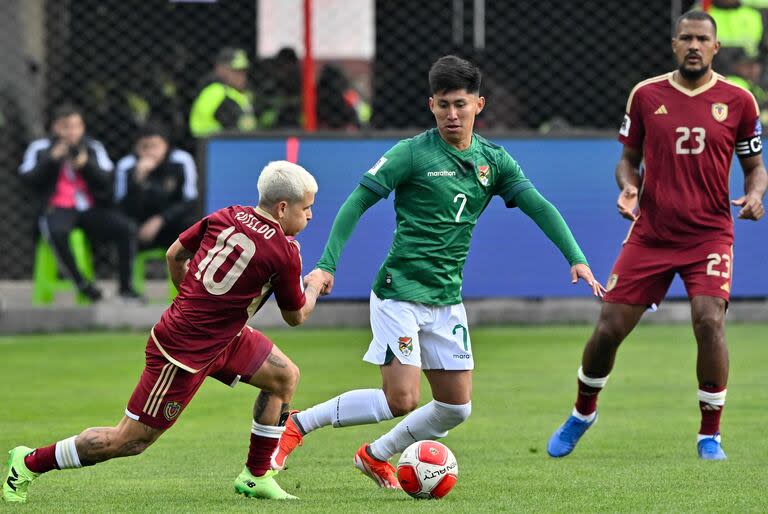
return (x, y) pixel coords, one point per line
(695, 16)
(65, 110)
(451, 73)
(153, 128)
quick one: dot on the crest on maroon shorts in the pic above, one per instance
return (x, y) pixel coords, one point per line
(171, 410)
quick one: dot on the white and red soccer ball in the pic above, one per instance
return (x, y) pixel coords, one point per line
(427, 469)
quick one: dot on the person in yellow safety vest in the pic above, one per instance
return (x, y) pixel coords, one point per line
(745, 72)
(224, 103)
(738, 25)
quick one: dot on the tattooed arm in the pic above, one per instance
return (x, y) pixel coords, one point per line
(178, 261)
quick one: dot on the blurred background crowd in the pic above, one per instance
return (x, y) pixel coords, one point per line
(102, 102)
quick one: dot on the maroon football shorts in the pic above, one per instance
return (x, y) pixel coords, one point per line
(164, 389)
(642, 274)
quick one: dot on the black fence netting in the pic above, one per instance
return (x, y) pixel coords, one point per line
(548, 66)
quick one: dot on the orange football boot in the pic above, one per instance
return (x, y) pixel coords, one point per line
(380, 471)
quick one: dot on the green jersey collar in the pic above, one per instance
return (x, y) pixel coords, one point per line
(461, 154)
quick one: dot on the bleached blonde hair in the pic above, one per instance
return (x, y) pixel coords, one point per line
(283, 180)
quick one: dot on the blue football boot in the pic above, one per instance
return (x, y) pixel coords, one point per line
(709, 448)
(564, 440)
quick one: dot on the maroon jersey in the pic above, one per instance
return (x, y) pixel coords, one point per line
(688, 139)
(241, 256)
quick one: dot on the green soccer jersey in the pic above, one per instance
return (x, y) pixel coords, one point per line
(440, 192)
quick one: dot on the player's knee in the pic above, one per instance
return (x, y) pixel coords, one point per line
(708, 324)
(288, 381)
(608, 333)
(132, 445)
(452, 415)
(401, 401)
(132, 448)
(292, 378)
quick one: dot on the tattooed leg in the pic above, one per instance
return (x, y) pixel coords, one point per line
(277, 378)
(128, 438)
(268, 409)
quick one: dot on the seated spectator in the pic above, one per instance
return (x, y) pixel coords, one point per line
(156, 186)
(72, 174)
(224, 102)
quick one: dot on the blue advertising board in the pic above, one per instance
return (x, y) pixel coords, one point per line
(509, 256)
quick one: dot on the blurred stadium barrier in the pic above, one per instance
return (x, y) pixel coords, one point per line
(550, 66)
(575, 174)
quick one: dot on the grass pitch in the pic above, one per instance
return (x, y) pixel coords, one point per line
(639, 457)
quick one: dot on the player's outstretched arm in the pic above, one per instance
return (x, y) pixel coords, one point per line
(755, 184)
(628, 178)
(582, 271)
(325, 277)
(359, 201)
(177, 258)
(549, 220)
(312, 287)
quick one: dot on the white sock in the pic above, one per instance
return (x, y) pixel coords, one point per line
(716, 437)
(716, 400)
(598, 382)
(358, 407)
(431, 421)
(270, 431)
(66, 454)
(589, 418)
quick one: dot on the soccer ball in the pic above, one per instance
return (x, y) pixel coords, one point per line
(427, 469)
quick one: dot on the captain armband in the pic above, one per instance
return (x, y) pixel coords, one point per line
(749, 147)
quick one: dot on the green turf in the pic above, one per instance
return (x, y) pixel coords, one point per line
(639, 457)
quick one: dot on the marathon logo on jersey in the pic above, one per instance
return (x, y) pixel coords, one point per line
(405, 345)
(624, 130)
(172, 410)
(441, 173)
(377, 166)
(719, 112)
(483, 174)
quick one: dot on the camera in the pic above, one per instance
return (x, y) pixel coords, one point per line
(73, 151)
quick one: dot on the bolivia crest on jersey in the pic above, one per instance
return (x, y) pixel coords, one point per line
(483, 174)
(719, 111)
(405, 345)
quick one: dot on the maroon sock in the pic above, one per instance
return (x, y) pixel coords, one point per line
(586, 401)
(259, 453)
(710, 413)
(42, 460)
